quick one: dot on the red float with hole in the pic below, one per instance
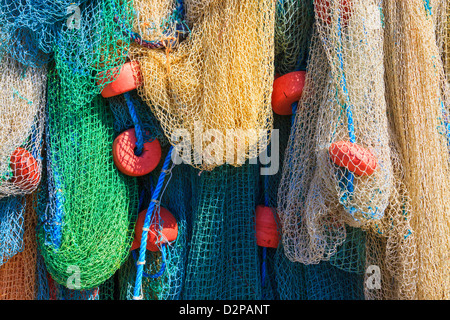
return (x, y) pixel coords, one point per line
(155, 235)
(355, 158)
(129, 79)
(128, 162)
(323, 9)
(287, 89)
(267, 221)
(26, 172)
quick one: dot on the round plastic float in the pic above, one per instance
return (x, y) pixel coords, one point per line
(126, 159)
(287, 89)
(355, 158)
(169, 230)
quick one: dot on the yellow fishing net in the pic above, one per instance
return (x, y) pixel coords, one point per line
(219, 78)
(416, 101)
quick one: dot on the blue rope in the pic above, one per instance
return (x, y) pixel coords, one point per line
(263, 267)
(163, 266)
(155, 196)
(348, 109)
(137, 124)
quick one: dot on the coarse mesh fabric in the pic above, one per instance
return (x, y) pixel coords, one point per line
(18, 274)
(357, 110)
(219, 78)
(22, 94)
(177, 198)
(78, 230)
(28, 28)
(293, 26)
(441, 15)
(415, 97)
(223, 259)
(12, 211)
(48, 289)
(87, 57)
(343, 100)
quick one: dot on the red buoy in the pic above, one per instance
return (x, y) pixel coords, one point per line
(266, 227)
(128, 79)
(324, 12)
(287, 89)
(128, 162)
(169, 230)
(355, 158)
(26, 173)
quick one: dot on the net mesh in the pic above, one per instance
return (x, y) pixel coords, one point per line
(90, 231)
(18, 274)
(415, 97)
(21, 126)
(209, 81)
(293, 26)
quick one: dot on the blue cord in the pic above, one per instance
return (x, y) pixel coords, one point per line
(155, 196)
(163, 266)
(137, 124)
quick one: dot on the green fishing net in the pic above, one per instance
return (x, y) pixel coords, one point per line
(88, 210)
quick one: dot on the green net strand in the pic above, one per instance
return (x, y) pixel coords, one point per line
(12, 210)
(293, 29)
(86, 224)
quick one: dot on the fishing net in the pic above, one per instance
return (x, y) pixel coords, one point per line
(21, 126)
(85, 232)
(440, 12)
(28, 28)
(293, 26)
(342, 106)
(415, 98)
(164, 272)
(87, 57)
(48, 289)
(223, 259)
(207, 84)
(12, 210)
(18, 274)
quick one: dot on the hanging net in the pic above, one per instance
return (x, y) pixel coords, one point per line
(18, 274)
(209, 81)
(337, 169)
(164, 271)
(293, 26)
(223, 259)
(86, 231)
(12, 210)
(48, 289)
(415, 98)
(21, 126)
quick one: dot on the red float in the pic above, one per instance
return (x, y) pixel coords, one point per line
(324, 12)
(169, 230)
(26, 173)
(128, 162)
(266, 227)
(355, 158)
(287, 89)
(128, 79)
